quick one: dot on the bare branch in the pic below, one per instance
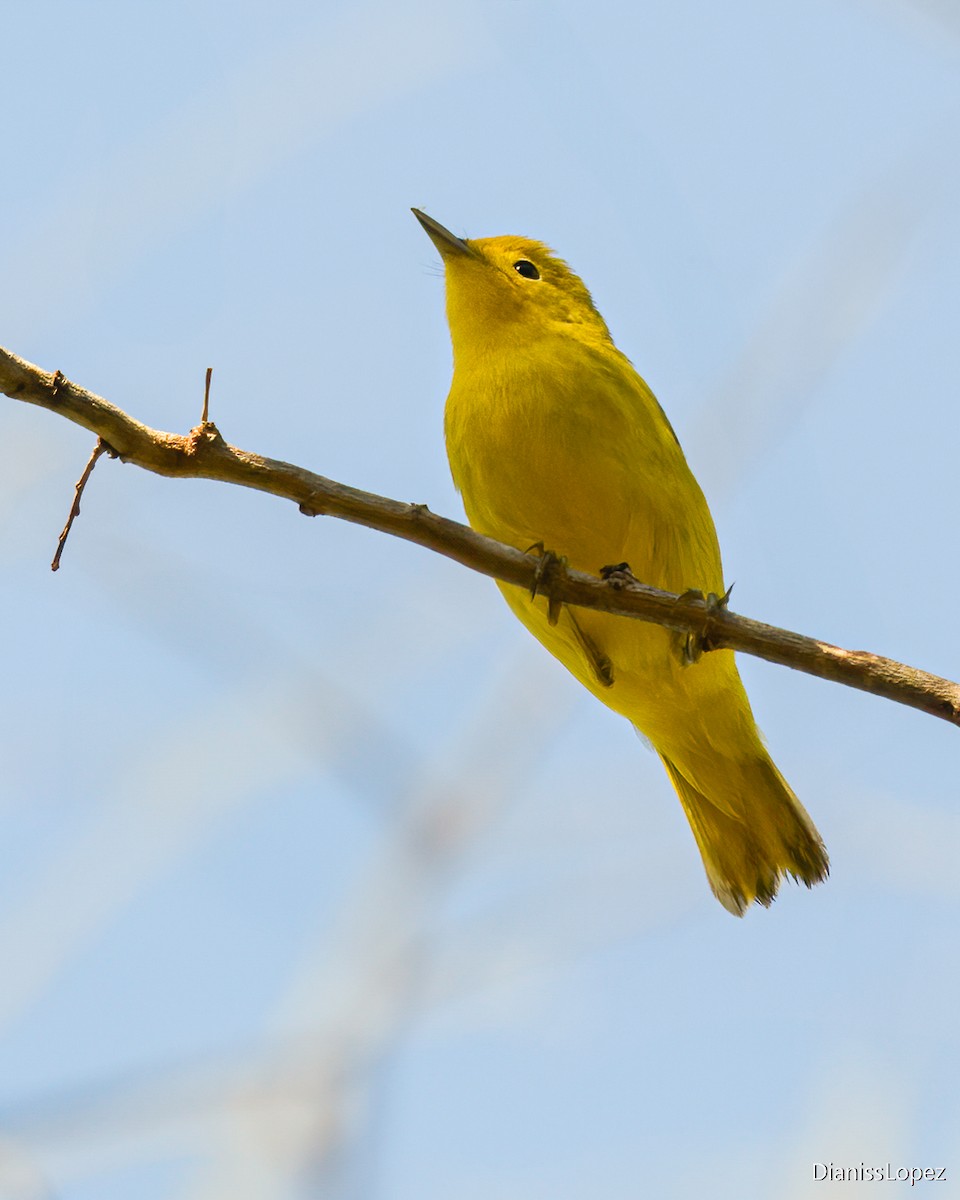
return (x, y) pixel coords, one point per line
(203, 454)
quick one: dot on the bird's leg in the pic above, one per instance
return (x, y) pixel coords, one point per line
(549, 567)
(693, 644)
(601, 664)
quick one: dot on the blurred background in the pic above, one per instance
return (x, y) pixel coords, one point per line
(318, 877)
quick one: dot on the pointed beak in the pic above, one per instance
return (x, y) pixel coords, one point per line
(446, 242)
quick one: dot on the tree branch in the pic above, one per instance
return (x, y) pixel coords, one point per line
(203, 454)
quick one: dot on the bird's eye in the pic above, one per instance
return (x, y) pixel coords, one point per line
(524, 267)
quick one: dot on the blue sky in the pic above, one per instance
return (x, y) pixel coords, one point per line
(317, 876)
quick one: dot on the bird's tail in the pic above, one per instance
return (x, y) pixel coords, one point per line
(751, 830)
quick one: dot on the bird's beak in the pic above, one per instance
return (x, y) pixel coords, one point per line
(445, 241)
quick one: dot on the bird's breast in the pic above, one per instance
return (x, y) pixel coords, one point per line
(555, 453)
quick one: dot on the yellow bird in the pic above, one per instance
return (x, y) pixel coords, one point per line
(554, 439)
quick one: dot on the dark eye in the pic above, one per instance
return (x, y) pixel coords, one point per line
(524, 267)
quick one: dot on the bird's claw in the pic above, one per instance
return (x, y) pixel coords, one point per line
(550, 567)
(694, 643)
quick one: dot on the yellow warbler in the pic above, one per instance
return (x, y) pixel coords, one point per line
(554, 438)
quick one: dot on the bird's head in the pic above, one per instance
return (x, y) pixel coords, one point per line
(504, 292)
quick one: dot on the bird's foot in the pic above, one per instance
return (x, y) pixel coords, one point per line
(550, 568)
(694, 643)
(619, 576)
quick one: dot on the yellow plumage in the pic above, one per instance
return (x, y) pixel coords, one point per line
(554, 438)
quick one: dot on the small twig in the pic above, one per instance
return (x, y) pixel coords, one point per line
(206, 398)
(100, 448)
